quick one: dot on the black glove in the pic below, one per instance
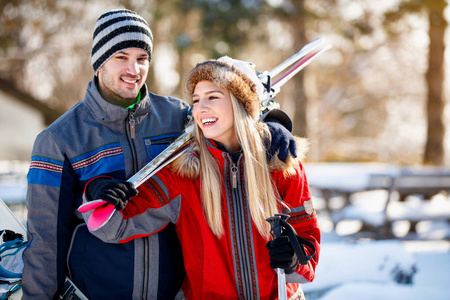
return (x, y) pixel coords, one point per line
(282, 254)
(115, 191)
(282, 139)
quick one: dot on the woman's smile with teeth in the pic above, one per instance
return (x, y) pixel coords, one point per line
(209, 121)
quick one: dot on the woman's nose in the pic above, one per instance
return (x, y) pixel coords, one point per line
(202, 105)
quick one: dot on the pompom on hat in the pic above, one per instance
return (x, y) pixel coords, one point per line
(117, 30)
(237, 76)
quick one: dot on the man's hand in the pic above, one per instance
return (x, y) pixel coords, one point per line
(282, 140)
(117, 192)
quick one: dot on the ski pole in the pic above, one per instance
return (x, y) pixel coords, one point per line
(275, 232)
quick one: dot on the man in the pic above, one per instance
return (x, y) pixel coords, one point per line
(115, 131)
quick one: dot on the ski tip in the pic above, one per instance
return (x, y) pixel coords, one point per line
(91, 205)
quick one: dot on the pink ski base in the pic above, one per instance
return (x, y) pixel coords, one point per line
(91, 205)
(102, 212)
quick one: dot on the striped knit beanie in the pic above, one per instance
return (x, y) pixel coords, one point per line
(117, 30)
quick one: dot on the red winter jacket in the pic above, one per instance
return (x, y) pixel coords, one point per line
(235, 266)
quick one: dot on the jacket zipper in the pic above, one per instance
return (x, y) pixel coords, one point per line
(240, 230)
(131, 135)
(132, 126)
(234, 170)
(146, 267)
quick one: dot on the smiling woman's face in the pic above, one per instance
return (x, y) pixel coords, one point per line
(213, 113)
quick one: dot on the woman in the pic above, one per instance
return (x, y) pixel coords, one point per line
(220, 193)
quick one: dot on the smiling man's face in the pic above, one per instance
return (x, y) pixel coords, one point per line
(123, 75)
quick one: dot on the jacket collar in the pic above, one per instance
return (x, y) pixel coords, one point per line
(219, 151)
(188, 163)
(274, 163)
(110, 113)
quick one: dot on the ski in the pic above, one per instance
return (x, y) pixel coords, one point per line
(102, 210)
(300, 60)
(308, 48)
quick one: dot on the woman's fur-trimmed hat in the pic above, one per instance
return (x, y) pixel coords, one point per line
(237, 76)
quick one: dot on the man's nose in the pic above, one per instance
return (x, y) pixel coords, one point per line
(133, 67)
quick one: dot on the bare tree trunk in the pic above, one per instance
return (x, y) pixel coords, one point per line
(299, 98)
(434, 148)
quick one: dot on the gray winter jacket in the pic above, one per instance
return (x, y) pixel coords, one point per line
(95, 138)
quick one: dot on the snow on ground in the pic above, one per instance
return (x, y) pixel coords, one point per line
(385, 269)
(352, 265)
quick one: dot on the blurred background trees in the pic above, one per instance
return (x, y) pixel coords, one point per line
(378, 95)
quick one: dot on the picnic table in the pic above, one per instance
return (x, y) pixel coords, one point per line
(346, 179)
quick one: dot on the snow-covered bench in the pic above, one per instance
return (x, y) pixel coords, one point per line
(433, 203)
(411, 197)
(391, 186)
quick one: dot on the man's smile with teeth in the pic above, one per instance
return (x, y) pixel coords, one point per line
(209, 120)
(130, 81)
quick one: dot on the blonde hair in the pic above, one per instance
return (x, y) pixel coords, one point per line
(261, 194)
